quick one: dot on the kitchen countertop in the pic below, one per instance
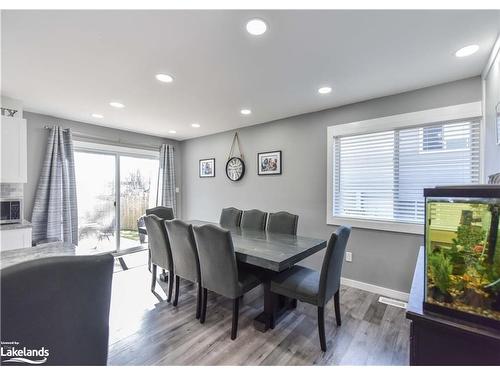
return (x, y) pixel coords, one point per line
(23, 225)
(53, 249)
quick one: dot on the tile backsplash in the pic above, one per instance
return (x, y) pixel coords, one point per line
(8, 190)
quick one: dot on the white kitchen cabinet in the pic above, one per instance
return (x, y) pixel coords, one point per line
(15, 239)
(14, 142)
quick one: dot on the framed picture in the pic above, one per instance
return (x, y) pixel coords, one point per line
(269, 163)
(207, 168)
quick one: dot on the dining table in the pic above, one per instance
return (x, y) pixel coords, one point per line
(272, 253)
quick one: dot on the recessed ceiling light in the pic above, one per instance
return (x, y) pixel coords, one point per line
(117, 105)
(164, 78)
(97, 115)
(467, 50)
(325, 90)
(172, 131)
(195, 125)
(256, 26)
(245, 111)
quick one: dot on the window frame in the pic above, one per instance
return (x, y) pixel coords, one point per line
(401, 121)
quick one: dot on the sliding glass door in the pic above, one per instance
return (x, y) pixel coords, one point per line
(114, 189)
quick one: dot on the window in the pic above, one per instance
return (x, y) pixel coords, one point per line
(379, 176)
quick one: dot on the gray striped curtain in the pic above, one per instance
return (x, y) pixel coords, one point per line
(166, 178)
(55, 215)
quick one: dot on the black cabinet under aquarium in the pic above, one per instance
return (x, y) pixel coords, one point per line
(462, 253)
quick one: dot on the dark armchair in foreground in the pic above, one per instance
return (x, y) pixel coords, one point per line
(60, 304)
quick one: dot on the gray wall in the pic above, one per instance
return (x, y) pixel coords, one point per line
(382, 258)
(37, 143)
(492, 97)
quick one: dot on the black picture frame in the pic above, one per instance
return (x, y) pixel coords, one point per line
(279, 167)
(210, 175)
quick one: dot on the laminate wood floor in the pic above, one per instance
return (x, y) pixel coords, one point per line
(146, 330)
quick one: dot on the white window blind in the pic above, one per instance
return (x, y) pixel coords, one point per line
(382, 175)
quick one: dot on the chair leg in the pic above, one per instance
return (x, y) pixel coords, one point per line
(336, 300)
(204, 306)
(236, 311)
(170, 285)
(177, 287)
(321, 327)
(153, 277)
(149, 260)
(198, 302)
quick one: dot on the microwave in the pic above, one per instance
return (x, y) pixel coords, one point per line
(11, 211)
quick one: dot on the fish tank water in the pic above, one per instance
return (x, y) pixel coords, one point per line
(462, 246)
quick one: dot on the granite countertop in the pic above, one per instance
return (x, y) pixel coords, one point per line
(24, 224)
(53, 249)
(11, 257)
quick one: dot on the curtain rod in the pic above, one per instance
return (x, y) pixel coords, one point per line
(96, 138)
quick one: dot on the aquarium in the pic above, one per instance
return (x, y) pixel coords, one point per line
(462, 246)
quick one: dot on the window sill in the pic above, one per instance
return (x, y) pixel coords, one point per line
(380, 225)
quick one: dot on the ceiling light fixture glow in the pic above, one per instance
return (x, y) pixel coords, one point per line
(256, 26)
(325, 90)
(467, 50)
(195, 125)
(97, 115)
(245, 112)
(172, 131)
(117, 105)
(162, 77)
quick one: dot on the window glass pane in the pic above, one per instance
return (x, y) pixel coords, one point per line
(138, 184)
(365, 175)
(95, 190)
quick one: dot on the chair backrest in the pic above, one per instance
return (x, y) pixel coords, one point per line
(282, 222)
(63, 306)
(230, 217)
(165, 213)
(184, 252)
(253, 219)
(331, 270)
(158, 243)
(219, 271)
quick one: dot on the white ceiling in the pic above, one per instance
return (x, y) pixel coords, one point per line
(71, 64)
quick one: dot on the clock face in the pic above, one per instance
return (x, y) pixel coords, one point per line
(235, 169)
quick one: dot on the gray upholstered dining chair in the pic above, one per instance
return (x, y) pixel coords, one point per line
(230, 217)
(316, 288)
(219, 270)
(253, 219)
(282, 222)
(165, 213)
(185, 257)
(61, 303)
(159, 247)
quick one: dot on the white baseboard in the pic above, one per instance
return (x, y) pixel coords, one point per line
(396, 294)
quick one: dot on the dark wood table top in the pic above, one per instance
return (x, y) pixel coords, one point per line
(15, 256)
(273, 251)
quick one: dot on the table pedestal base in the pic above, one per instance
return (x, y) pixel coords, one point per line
(275, 307)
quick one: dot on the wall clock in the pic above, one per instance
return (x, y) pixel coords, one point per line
(235, 166)
(235, 169)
